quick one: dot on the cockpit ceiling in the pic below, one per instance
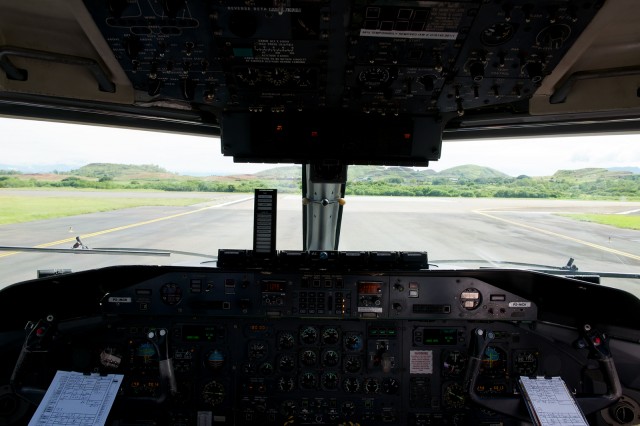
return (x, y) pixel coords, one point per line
(421, 68)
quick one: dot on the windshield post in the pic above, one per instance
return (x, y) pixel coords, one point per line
(323, 187)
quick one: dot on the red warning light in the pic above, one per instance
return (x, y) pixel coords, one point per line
(407, 136)
(314, 133)
(279, 128)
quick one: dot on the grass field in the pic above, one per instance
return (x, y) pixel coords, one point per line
(617, 220)
(16, 209)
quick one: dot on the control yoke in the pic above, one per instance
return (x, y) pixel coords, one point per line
(596, 342)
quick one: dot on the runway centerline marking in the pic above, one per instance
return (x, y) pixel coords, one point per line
(131, 225)
(555, 234)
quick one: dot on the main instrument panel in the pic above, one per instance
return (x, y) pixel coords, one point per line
(207, 346)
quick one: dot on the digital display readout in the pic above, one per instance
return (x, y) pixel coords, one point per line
(369, 287)
(202, 333)
(273, 286)
(439, 336)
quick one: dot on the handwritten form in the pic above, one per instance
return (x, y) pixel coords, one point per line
(77, 399)
(550, 402)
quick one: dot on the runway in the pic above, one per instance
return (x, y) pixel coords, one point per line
(448, 229)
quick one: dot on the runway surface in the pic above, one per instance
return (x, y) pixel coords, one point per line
(448, 229)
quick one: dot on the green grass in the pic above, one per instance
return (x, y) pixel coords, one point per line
(16, 209)
(617, 220)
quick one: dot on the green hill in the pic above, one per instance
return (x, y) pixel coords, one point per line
(98, 170)
(471, 172)
(591, 174)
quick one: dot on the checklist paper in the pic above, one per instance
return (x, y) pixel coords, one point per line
(550, 402)
(77, 399)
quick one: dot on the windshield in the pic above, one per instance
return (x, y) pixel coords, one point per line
(559, 203)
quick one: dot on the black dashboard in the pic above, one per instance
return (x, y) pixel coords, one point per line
(328, 346)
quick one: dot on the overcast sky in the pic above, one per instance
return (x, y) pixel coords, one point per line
(39, 145)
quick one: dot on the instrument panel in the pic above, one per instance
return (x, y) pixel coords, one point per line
(208, 346)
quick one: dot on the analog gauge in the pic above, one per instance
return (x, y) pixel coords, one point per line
(525, 363)
(348, 409)
(351, 384)
(352, 364)
(329, 380)
(288, 408)
(330, 336)
(286, 363)
(266, 369)
(554, 36)
(257, 350)
(213, 393)
(110, 357)
(305, 78)
(308, 380)
(453, 396)
(248, 76)
(146, 354)
(470, 299)
(249, 368)
(454, 363)
(353, 342)
(494, 362)
(497, 34)
(374, 76)
(308, 357)
(371, 385)
(390, 386)
(215, 360)
(286, 340)
(308, 335)
(277, 76)
(286, 384)
(330, 358)
(171, 293)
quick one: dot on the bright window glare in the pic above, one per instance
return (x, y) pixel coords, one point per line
(37, 146)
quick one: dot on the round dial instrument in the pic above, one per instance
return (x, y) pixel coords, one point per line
(286, 384)
(286, 362)
(353, 342)
(308, 357)
(213, 393)
(454, 363)
(309, 335)
(330, 336)
(286, 340)
(494, 362)
(453, 396)
(497, 34)
(330, 358)
(171, 293)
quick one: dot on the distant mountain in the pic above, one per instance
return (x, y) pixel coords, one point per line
(97, 170)
(471, 171)
(398, 174)
(590, 174)
(361, 173)
(284, 172)
(635, 170)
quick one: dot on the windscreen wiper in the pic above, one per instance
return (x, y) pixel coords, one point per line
(105, 250)
(569, 270)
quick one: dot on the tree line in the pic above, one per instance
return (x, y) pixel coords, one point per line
(627, 187)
